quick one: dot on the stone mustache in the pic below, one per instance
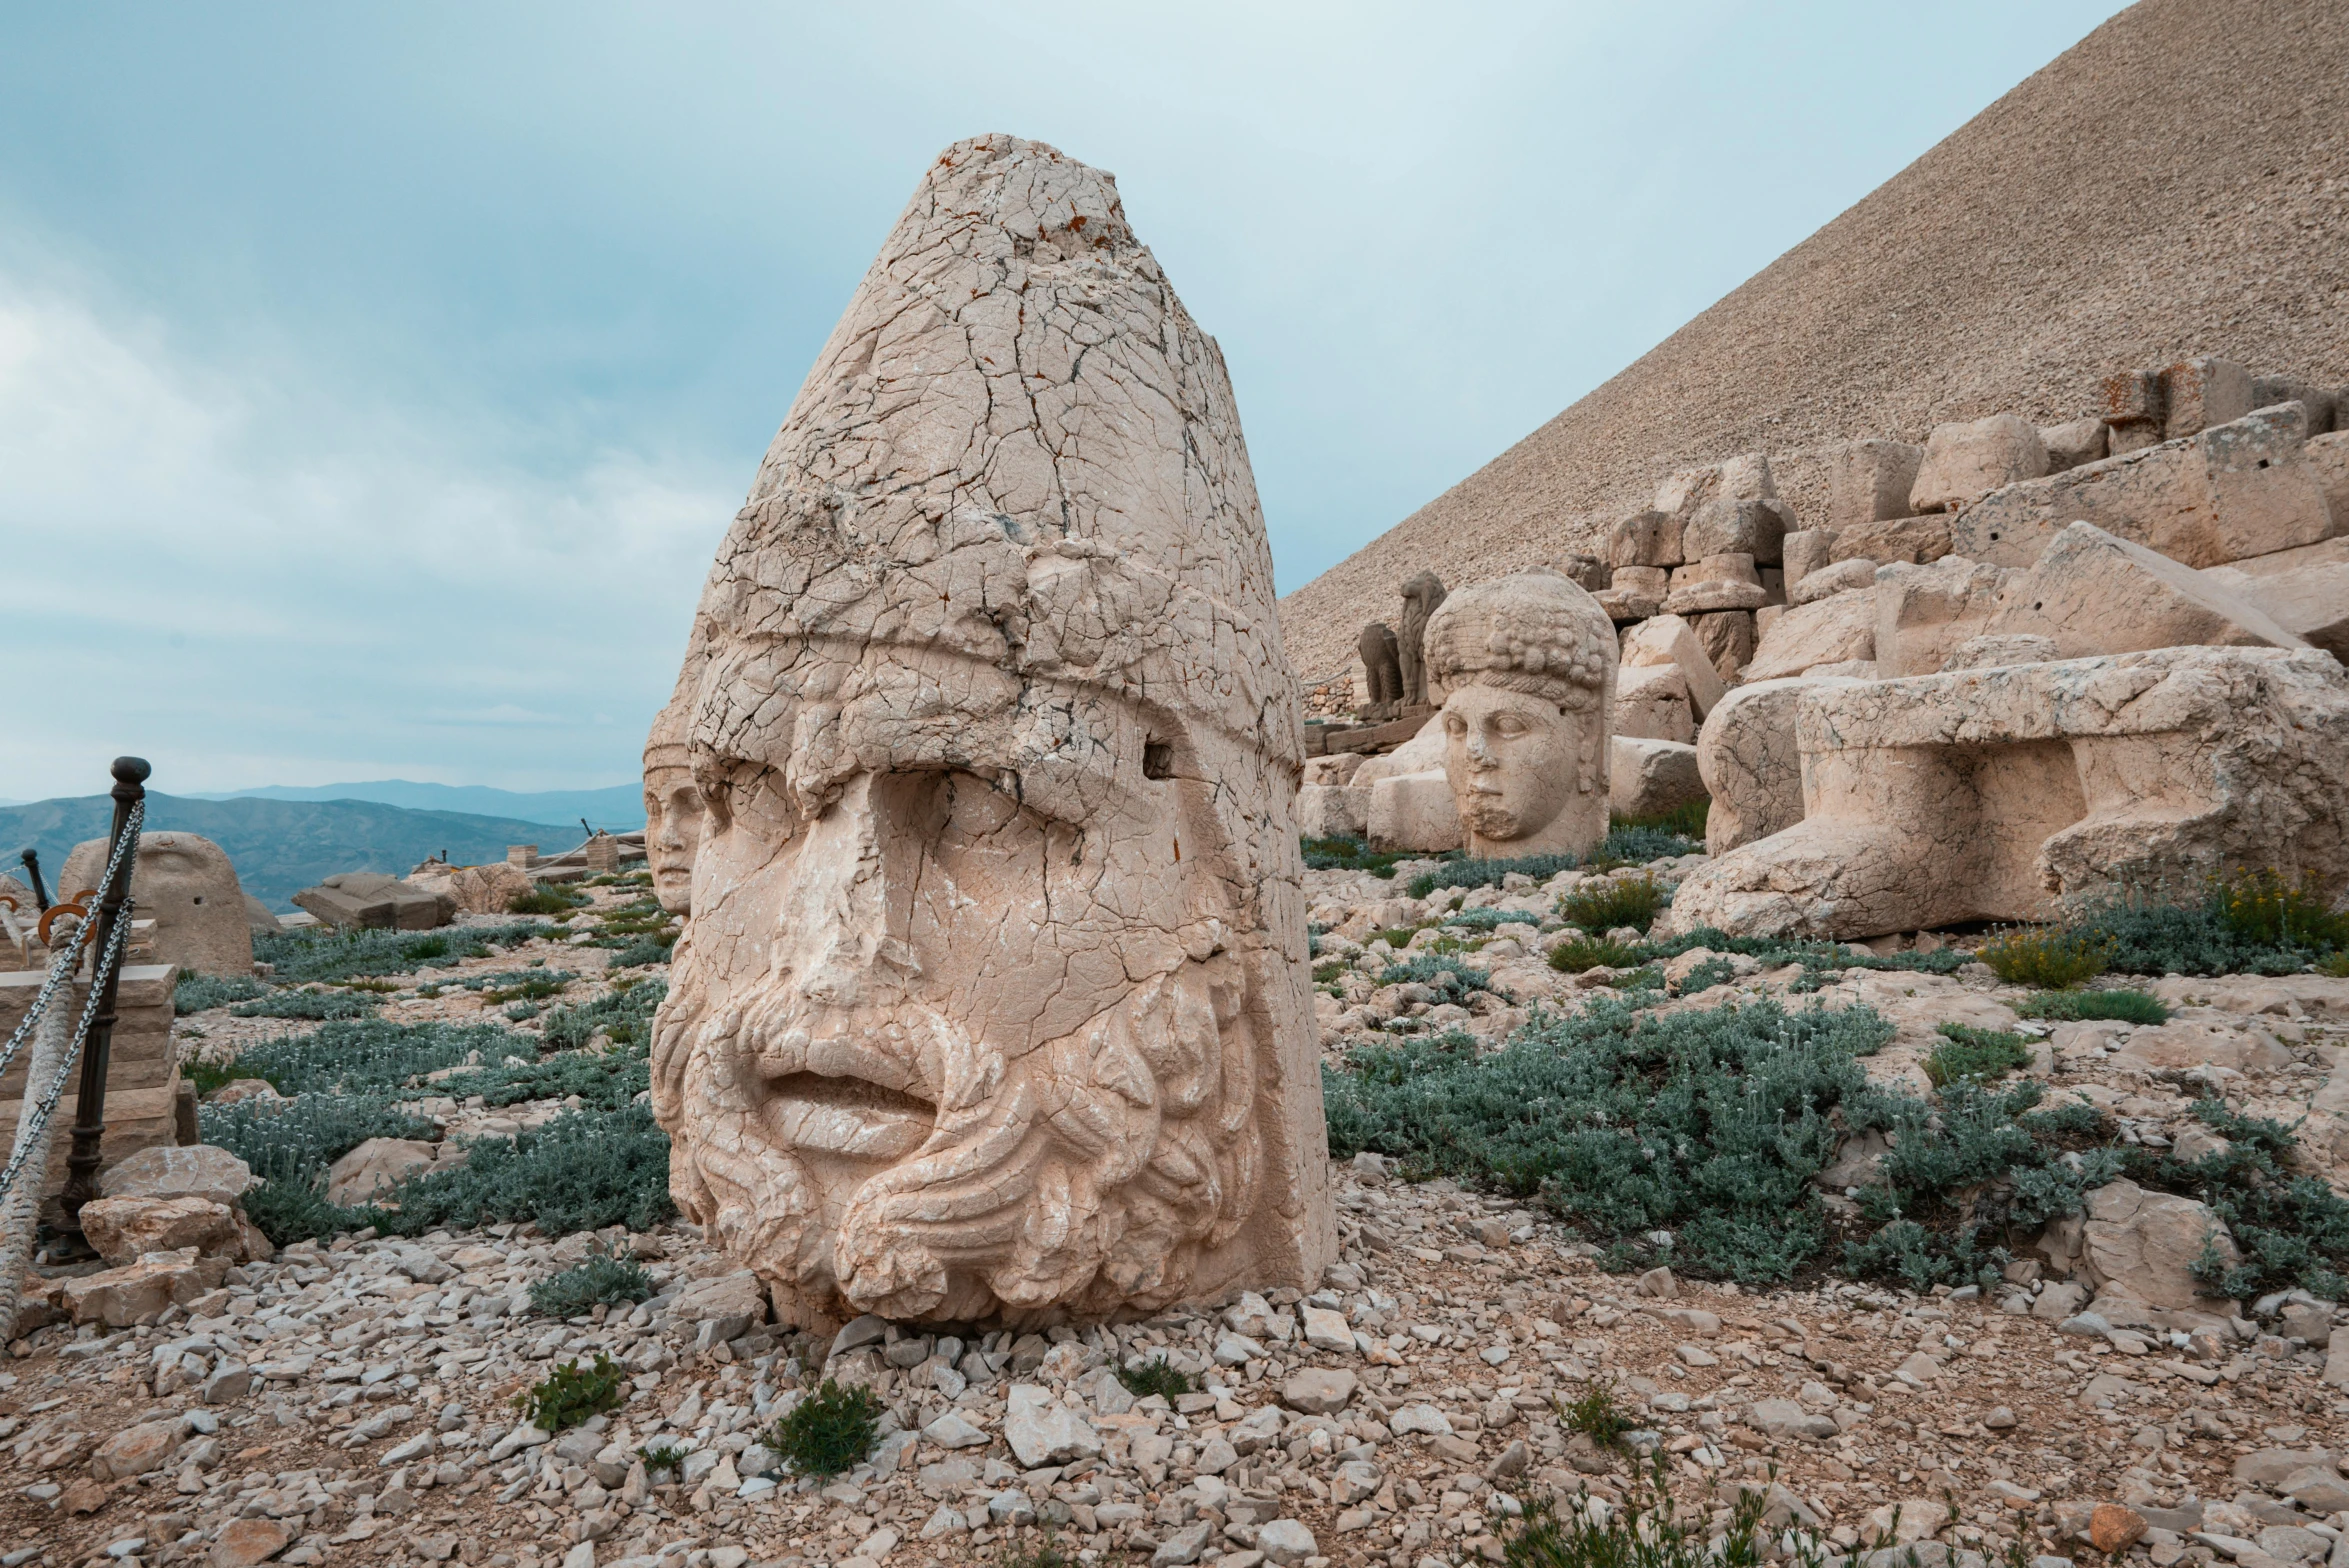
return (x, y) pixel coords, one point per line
(994, 999)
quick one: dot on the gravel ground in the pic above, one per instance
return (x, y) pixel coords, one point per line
(2173, 185)
(354, 1404)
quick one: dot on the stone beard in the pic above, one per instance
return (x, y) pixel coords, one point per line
(968, 1022)
(1528, 666)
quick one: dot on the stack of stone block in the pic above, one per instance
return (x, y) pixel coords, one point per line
(143, 1086)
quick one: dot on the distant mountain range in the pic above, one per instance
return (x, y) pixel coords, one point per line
(617, 809)
(281, 846)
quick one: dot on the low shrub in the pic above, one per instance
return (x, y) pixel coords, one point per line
(584, 1170)
(1331, 972)
(2248, 922)
(830, 1430)
(288, 1209)
(1155, 1376)
(210, 1076)
(1975, 1053)
(1709, 1123)
(624, 1014)
(1353, 854)
(2336, 966)
(661, 1456)
(1489, 873)
(1597, 1414)
(315, 955)
(545, 898)
(603, 1080)
(571, 1394)
(1647, 1530)
(2051, 959)
(195, 993)
(298, 1139)
(1574, 956)
(652, 948)
(2131, 1007)
(603, 1280)
(1487, 919)
(313, 1003)
(1619, 901)
(1684, 822)
(2269, 909)
(1451, 979)
(353, 1057)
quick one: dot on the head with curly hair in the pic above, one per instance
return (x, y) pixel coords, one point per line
(1527, 667)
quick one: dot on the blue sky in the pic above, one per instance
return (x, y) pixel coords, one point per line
(375, 382)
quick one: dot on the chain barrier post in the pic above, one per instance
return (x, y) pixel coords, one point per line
(32, 868)
(89, 1120)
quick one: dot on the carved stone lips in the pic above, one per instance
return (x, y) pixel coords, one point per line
(836, 1096)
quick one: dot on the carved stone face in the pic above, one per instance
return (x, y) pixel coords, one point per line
(1511, 758)
(1527, 663)
(951, 1038)
(672, 831)
(186, 885)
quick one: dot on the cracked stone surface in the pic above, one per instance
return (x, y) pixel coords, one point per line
(994, 998)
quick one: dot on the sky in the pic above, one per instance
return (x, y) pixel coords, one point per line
(376, 382)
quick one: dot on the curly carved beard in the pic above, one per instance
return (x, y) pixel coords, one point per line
(1084, 1175)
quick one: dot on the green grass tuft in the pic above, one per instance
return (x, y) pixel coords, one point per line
(2132, 1007)
(1602, 906)
(546, 899)
(1352, 854)
(571, 1394)
(1975, 1053)
(305, 956)
(603, 1280)
(1597, 1414)
(830, 1430)
(1155, 1376)
(1573, 957)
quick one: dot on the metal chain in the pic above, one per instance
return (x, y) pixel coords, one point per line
(62, 965)
(102, 971)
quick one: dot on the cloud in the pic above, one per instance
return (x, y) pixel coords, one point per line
(251, 577)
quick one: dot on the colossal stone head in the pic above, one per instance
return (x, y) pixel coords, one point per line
(1527, 665)
(994, 997)
(673, 813)
(186, 885)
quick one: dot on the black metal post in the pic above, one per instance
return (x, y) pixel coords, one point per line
(32, 866)
(89, 1119)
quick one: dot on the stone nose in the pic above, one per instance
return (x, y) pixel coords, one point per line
(833, 934)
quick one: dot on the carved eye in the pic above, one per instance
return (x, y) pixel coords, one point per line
(749, 794)
(1510, 725)
(1454, 725)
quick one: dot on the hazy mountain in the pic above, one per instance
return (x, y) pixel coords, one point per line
(616, 809)
(282, 846)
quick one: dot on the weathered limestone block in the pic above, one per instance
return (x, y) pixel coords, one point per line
(185, 884)
(1924, 612)
(1806, 551)
(1651, 701)
(995, 999)
(1916, 540)
(2070, 445)
(376, 1166)
(2144, 1245)
(124, 1229)
(372, 901)
(1831, 630)
(1965, 461)
(1717, 569)
(1749, 762)
(1992, 794)
(1649, 538)
(2327, 457)
(1652, 777)
(1332, 811)
(2133, 410)
(1728, 508)
(1527, 663)
(2092, 593)
(1668, 639)
(1414, 811)
(1634, 592)
(1423, 592)
(1587, 572)
(489, 889)
(2239, 489)
(1981, 653)
(1714, 595)
(196, 1171)
(1422, 753)
(1867, 482)
(142, 1072)
(2305, 591)
(2322, 404)
(2198, 394)
(1727, 636)
(1337, 768)
(1828, 581)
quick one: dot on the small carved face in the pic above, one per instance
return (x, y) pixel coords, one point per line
(1512, 758)
(673, 819)
(957, 1028)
